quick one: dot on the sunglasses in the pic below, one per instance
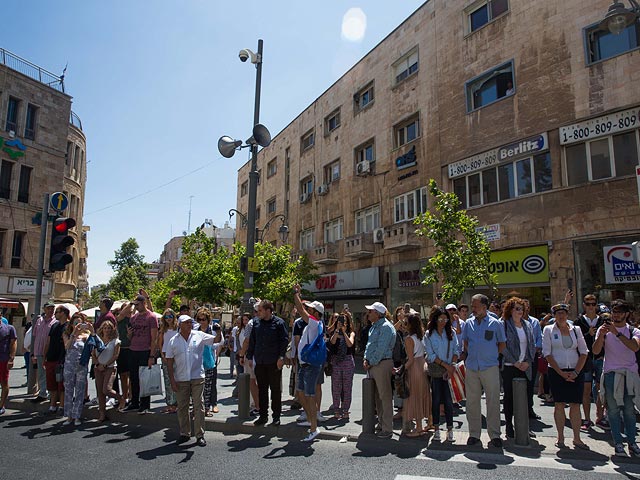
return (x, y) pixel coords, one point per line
(443, 319)
(168, 316)
(590, 304)
(518, 309)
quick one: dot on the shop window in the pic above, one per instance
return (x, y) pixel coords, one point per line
(306, 239)
(332, 122)
(490, 87)
(367, 219)
(406, 131)
(307, 141)
(483, 12)
(363, 98)
(605, 157)
(406, 66)
(602, 44)
(333, 230)
(332, 172)
(30, 124)
(5, 179)
(272, 167)
(409, 205)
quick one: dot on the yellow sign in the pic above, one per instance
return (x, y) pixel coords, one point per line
(253, 264)
(521, 265)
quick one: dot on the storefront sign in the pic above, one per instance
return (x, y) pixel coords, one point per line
(409, 278)
(27, 286)
(521, 265)
(407, 160)
(14, 148)
(601, 126)
(349, 280)
(619, 266)
(491, 232)
(505, 153)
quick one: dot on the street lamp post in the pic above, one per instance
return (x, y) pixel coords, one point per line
(283, 230)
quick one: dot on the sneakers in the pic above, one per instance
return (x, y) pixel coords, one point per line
(302, 417)
(603, 423)
(450, 436)
(260, 421)
(143, 411)
(321, 418)
(619, 450)
(254, 412)
(586, 425)
(436, 436)
(77, 422)
(510, 431)
(306, 423)
(111, 402)
(312, 436)
(634, 449)
(2, 411)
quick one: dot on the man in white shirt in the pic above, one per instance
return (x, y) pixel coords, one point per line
(186, 373)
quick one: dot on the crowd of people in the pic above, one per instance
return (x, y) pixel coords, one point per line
(411, 360)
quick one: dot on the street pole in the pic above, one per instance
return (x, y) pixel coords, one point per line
(36, 308)
(253, 188)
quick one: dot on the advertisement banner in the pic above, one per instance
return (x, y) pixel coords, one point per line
(521, 265)
(619, 266)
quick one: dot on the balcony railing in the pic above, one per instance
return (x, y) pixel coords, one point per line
(75, 121)
(31, 70)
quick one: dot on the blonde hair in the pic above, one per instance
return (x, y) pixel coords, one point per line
(167, 324)
(114, 331)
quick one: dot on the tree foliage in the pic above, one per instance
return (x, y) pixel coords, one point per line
(159, 293)
(130, 271)
(462, 255)
(97, 293)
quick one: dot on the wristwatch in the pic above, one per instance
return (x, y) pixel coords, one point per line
(618, 334)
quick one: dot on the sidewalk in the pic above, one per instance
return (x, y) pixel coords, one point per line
(226, 421)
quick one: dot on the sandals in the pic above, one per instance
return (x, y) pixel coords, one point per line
(208, 413)
(581, 446)
(560, 445)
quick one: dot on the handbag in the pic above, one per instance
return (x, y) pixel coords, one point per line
(457, 383)
(150, 380)
(400, 383)
(437, 371)
(315, 353)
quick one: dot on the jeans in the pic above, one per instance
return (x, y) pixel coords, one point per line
(613, 412)
(137, 360)
(440, 393)
(269, 377)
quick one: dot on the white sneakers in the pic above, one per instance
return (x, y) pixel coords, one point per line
(450, 436)
(436, 436)
(321, 418)
(312, 436)
(302, 417)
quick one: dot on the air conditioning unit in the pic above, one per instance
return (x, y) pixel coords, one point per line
(362, 168)
(378, 235)
(323, 189)
(305, 197)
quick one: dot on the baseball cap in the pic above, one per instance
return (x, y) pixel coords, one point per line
(184, 318)
(49, 304)
(378, 307)
(316, 305)
(560, 306)
(139, 298)
(451, 306)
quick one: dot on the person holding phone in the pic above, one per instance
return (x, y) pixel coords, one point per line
(75, 374)
(342, 343)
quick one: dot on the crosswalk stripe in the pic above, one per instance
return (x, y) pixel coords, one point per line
(416, 477)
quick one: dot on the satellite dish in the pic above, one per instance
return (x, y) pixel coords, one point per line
(227, 146)
(261, 135)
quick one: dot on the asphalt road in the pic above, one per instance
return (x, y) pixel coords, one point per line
(34, 446)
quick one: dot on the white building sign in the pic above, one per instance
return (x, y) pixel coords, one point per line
(491, 232)
(601, 126)
(27, 286)
(619, 266)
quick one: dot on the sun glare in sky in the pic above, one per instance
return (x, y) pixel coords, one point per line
(354, 25)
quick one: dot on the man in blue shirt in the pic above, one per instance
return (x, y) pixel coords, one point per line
(484, 338)
(379, 364)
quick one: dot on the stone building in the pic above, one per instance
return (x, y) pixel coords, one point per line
(524, 109)
(43, 151)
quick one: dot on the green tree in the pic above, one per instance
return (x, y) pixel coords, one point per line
(160, 290)
(97, 293)
(462, 255)
(130, 271)
(125, 283)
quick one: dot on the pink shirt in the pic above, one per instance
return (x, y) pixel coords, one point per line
(616, 355)
(142, 323)
(41, 333)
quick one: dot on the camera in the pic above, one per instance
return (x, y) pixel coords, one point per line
(244, 55)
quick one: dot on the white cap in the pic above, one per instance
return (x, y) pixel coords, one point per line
(316, 305)
(378, 307)
(184, 318)
(451, 306)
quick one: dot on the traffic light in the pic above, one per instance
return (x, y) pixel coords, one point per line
(60, 241)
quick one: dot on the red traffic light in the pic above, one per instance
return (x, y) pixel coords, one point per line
(62, 225)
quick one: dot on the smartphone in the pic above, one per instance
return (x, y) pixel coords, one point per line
(407, 308)
(345, 306)
(439, 295)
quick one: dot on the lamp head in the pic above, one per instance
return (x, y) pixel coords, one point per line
(227, 146)
(617, 18)
(283, 231)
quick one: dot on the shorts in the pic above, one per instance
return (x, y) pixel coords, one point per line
(249, 369)
(4, 372)
(50, 369)
(122, 364)
(308, 378)
(320, 379)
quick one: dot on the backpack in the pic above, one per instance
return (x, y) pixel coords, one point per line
(399, 352)
(315, 353)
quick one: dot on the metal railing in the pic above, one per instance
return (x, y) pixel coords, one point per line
(75, 121)
(31, 70)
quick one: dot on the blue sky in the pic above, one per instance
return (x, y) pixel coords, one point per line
(157, 82)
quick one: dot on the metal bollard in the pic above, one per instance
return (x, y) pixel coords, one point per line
(243, 395)
(521, 411)
(368, 405)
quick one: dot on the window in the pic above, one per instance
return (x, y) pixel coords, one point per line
(259, 176)
(364, 97)
(272, 167)
(332, 172)
(602, 44)
(365, 153)
(332, 121)
(481, 13)
(507, 180)
(307, 141)
(5, 179)
(367, 219)
(306, 239)
(306, 189)
(410, 205)
(67, 157)
(257, 213)
(406, 66)
(406, 131)
(490, 87)
(25, 182)
(30, 126)
(605, 157)
(271, 206)
(333, 230)
(12, 115)
(3, 240)
(244, 188)
(16, 249)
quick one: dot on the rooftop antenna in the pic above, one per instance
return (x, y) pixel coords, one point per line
(189, 222)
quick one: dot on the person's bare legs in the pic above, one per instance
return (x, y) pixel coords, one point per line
(574, 416)
(560, 419)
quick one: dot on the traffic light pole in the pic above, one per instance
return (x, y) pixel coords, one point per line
(37, 304)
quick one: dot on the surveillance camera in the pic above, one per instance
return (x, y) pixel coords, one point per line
(244, 55)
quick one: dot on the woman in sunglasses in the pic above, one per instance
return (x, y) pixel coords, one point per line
(168, 329)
